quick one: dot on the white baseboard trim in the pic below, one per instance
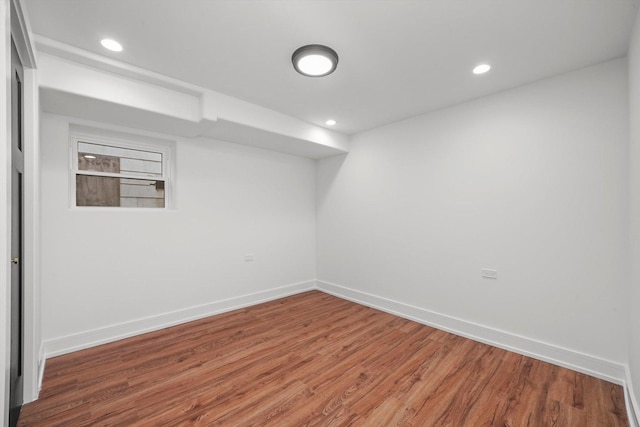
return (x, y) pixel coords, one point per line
(577, 361)
(34, 392)
(600, 368)
(631, 401)
(92, 338)
(42, 360)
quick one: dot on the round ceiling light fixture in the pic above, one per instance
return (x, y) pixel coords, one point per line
(330, 122)
(315, 60)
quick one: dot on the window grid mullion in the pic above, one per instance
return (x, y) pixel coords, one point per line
(118, 175)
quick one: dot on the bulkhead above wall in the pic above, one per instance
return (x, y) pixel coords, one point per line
(80, 84)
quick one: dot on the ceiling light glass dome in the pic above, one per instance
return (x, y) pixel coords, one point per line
(315, 60)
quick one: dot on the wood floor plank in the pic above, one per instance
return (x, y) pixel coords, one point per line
(314, 360)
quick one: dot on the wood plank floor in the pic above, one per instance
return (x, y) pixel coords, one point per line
(314, 359)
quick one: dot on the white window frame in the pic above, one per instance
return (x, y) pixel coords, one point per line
(164, 148)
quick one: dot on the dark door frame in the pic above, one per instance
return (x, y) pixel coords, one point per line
(16, 371)
(18, 32)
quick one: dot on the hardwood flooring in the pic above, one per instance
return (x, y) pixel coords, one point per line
(317, 360)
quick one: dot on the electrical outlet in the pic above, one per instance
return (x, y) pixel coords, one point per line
(489, 274)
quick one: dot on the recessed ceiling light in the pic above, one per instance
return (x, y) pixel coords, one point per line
(111, 45)
(330, 122)
(89, 156)
(481, 69)
(315, 60)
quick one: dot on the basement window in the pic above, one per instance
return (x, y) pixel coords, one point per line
(118, 173)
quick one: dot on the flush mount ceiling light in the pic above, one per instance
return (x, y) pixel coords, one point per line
(315, 60)
(111, 45)
(330, 122)
(481, 69)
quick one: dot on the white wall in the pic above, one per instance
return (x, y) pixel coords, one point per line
(531, 182)
(634, 169)
(107, 267)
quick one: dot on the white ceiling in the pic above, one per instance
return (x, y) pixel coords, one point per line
(398, 58)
